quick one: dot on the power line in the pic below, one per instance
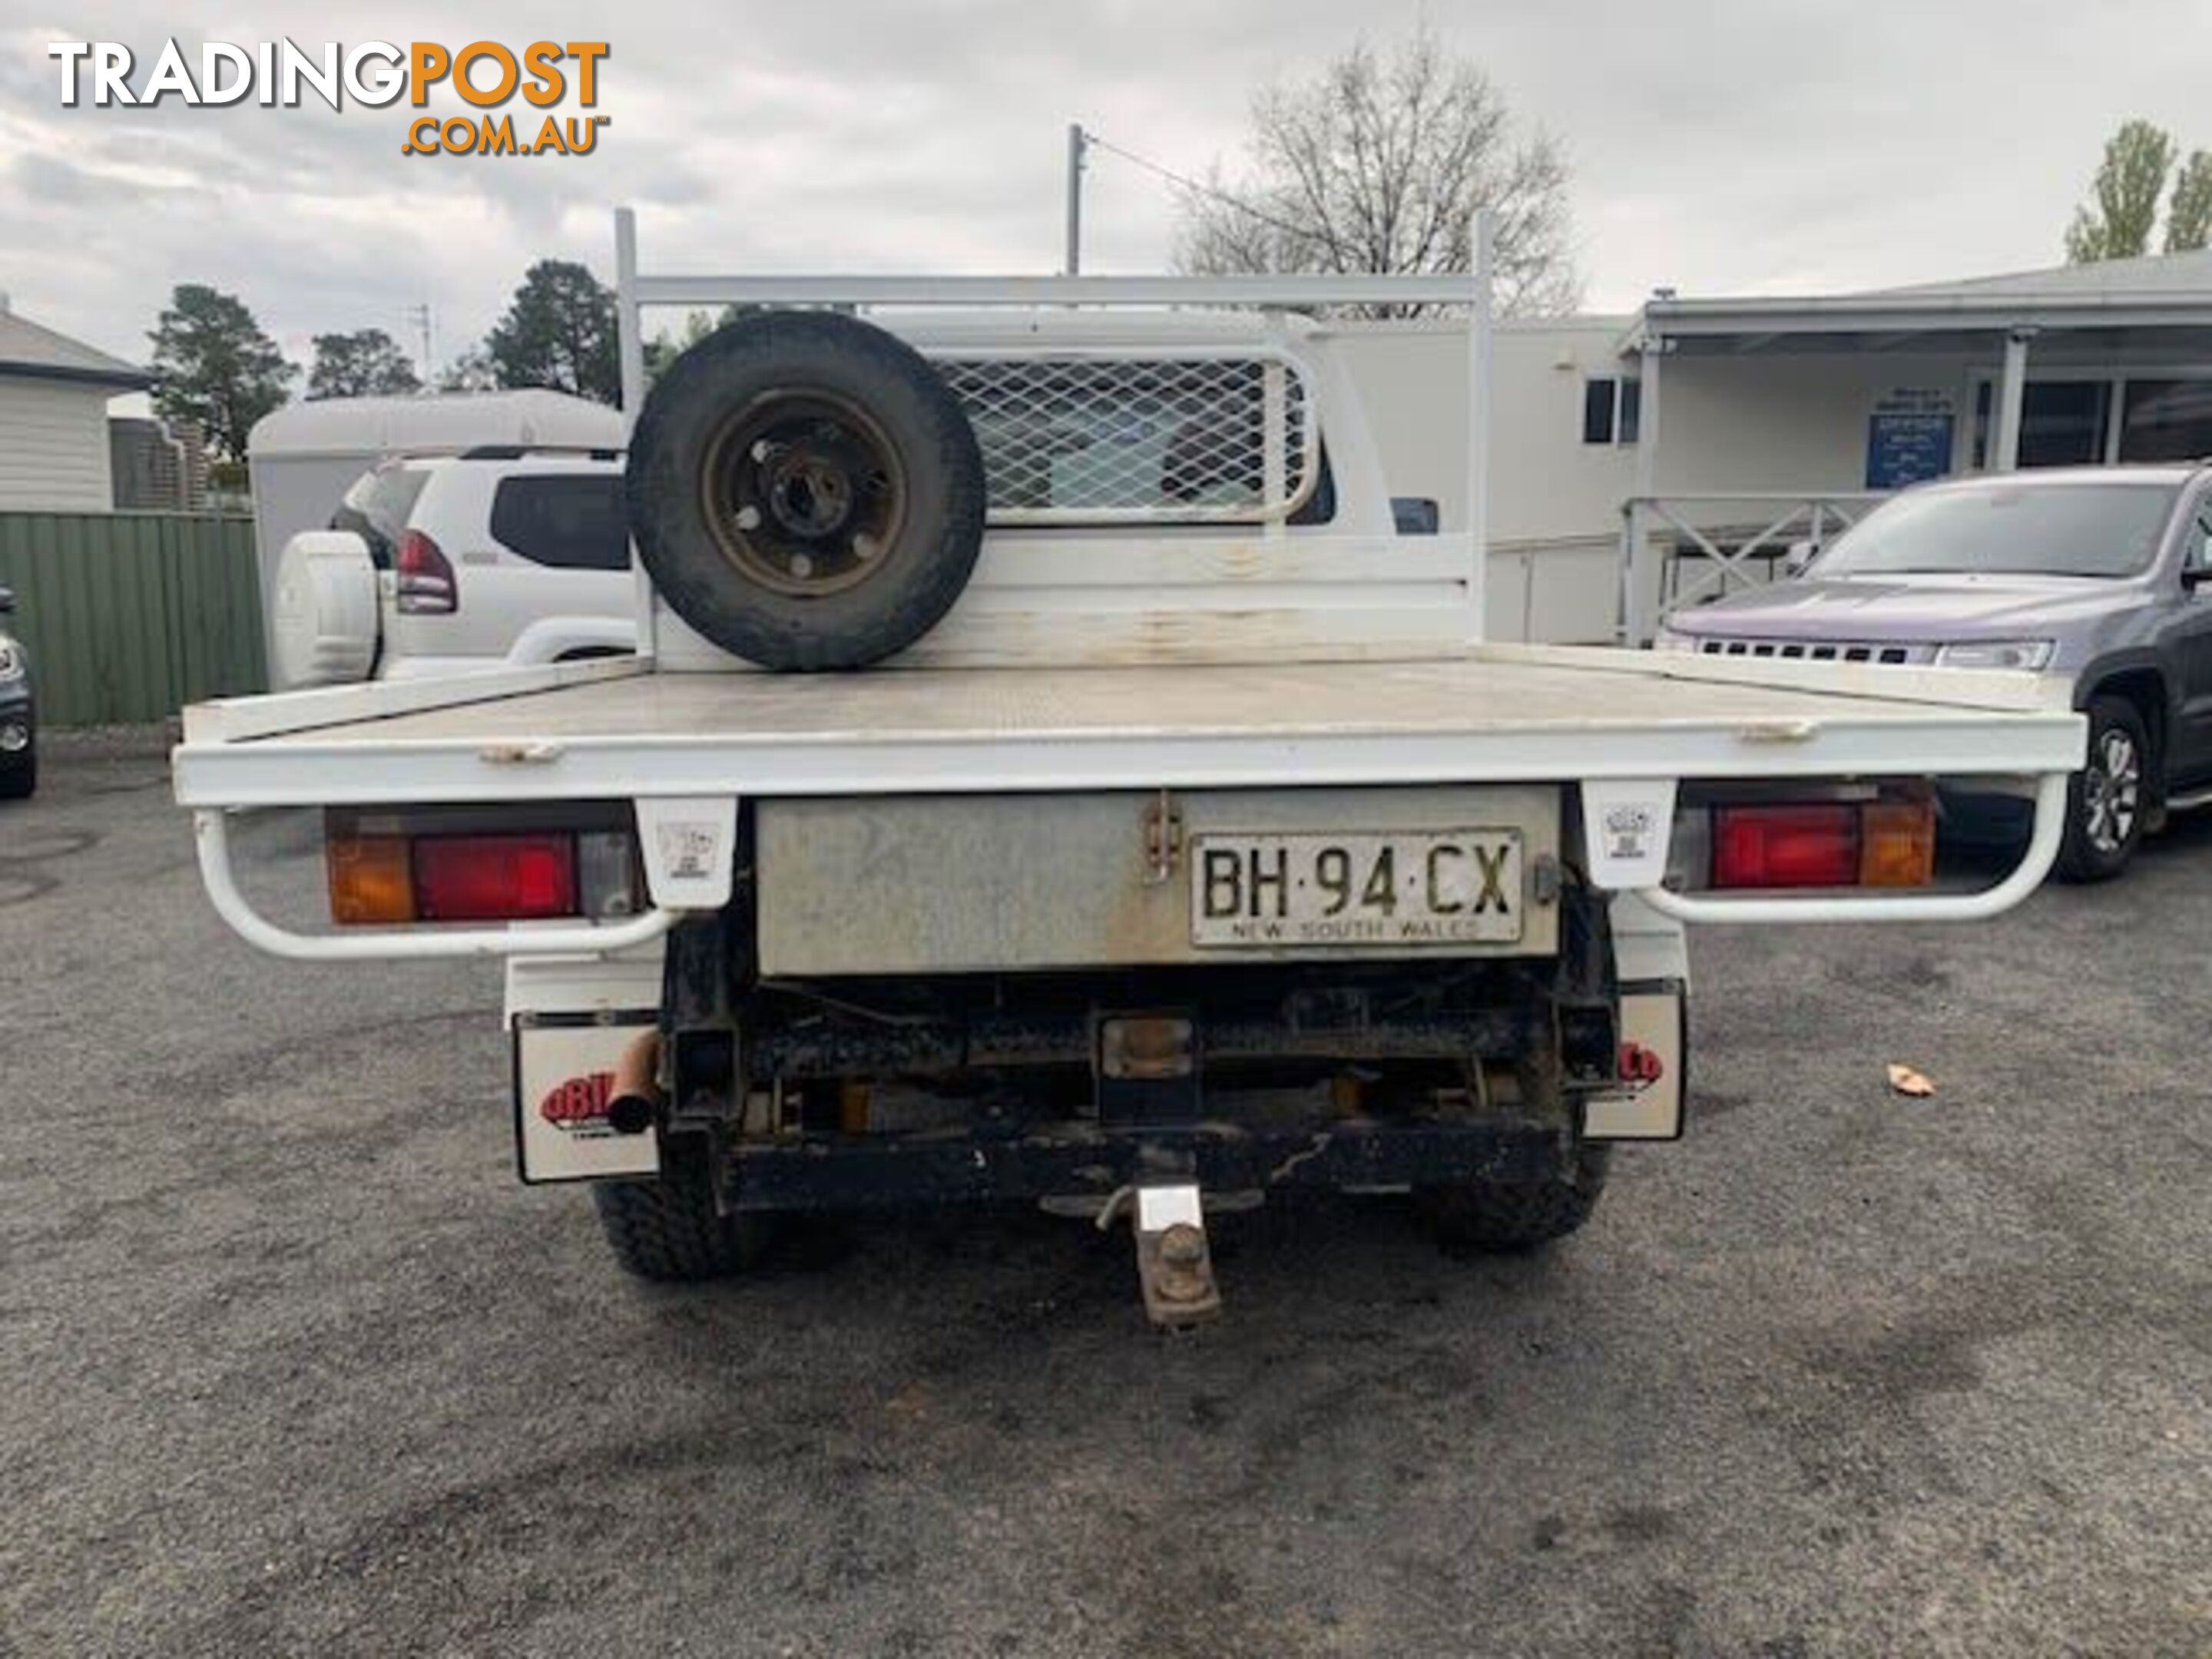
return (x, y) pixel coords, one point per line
(1348, 258)
(1304, 233)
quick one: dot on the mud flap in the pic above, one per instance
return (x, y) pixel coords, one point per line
(1654, 1058)
(564, 1068)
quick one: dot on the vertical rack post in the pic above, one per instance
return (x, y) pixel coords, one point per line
(1478, 429)
(629, 336)
(1077, 142)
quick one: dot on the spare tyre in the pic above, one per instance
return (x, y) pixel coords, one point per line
(805, 490)
(323, 612)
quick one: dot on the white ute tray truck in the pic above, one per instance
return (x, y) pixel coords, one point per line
(1154, 833)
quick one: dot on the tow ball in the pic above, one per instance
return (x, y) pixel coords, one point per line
(1174, 1267)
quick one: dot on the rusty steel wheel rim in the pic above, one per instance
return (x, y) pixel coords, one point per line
(803, 492)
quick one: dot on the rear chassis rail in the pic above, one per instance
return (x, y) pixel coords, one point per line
(1073, 1158)
(1393, 1074)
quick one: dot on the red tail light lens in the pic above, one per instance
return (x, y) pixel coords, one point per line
(425, 585)
(385, 872)
(1812, 846)
(494, 878)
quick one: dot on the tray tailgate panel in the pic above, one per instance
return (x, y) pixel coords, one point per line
(957, 884)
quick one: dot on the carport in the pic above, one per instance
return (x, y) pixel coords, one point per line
(1851, 396)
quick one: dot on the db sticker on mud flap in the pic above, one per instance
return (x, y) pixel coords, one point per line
(564, 1074)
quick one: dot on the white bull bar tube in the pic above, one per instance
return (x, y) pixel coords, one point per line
(2051, 810)
(585, 938)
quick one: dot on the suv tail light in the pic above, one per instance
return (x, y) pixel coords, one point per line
(426, 585)
(391, 878)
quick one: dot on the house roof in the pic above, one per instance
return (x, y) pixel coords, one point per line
(2162, 291)
(2168, 275)
(26, 349)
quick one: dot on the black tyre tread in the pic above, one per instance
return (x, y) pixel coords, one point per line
(19, 777)
(1491, 1217)
(2079, 862)
(668, 1229)
(867, 624)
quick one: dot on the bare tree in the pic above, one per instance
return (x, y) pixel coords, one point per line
(1378, 166)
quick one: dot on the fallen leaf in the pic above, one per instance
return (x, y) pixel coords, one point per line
(1906, 1081)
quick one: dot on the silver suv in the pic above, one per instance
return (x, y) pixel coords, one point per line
(2097, 573)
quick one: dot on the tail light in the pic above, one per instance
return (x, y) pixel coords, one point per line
(1785, 845)
(1870, 843)
(426, 585)
(494, 878)
(385, 879)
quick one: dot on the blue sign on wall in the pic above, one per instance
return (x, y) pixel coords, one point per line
(1909, 439)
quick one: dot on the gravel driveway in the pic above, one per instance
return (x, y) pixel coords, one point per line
(297, 1367)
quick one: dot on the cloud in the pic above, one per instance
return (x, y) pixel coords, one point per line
(1752, 145)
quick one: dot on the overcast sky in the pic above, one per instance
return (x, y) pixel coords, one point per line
(1731, 147)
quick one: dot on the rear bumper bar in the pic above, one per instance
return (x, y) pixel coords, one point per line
(2051, 806)
(586, 939)
(212, 831)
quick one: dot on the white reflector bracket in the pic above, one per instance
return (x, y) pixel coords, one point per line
(1626, 825)
(690, 850)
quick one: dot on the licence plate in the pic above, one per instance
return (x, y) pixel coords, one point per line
(1405, 888)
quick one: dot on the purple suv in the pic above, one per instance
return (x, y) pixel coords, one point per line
(2095, 573)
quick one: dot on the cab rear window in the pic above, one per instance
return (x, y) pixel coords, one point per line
(568, 521)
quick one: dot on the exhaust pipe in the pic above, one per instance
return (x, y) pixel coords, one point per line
(634, 1105)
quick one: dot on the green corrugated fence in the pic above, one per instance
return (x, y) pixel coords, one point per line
(130, 616)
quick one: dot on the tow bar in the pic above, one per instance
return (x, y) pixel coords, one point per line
(1173, 1265)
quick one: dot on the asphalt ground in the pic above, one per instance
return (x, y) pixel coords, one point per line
(293, 1365)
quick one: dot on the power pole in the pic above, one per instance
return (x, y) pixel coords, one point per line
(1077, 142)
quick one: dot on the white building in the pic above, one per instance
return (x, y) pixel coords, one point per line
(1641, 462)
(54, 393)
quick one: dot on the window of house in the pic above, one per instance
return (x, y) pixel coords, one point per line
(2062, 423)
(1598, 399)
(2168, 420)
(1613, 410)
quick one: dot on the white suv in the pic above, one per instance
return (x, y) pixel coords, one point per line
(433, 565)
